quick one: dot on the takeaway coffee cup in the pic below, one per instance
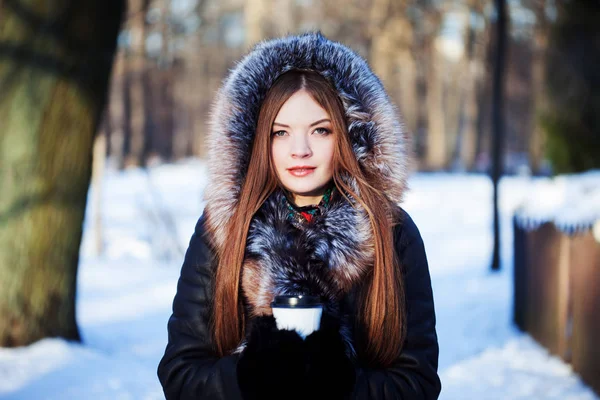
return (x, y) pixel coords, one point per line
(299, 312)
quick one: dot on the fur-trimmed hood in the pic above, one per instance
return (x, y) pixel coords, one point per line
(376, 132)
(335, 250)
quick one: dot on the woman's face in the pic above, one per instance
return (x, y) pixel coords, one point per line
(303, 137)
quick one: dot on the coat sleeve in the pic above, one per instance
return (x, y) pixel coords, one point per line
(190, 369)
(414, 375)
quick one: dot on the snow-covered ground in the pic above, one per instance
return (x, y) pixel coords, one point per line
(124, 296)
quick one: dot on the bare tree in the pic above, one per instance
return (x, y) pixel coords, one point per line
(498, 118)
(431, 92)
(391, 54)
(136, 74)
(538, 76)
(257, 20)
(437, 146)
(117, 121)
(162, 85)
(471, 79)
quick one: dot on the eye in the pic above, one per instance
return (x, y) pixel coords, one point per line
(323, 131)
(278, 133)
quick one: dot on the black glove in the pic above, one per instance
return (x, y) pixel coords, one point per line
(330, 373)
(272, 366)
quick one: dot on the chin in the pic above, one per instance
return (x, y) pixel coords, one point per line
(304, 189)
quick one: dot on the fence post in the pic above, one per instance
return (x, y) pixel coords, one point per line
(585, 263)
(520, 276)
(542, 286)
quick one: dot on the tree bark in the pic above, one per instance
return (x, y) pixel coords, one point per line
(137, 83)
(420, 140)
(382, 41)
(484, 99)
(407, 77)
(437, 146)
(473, 71)
(168, 75)
(256, 13)
(189, 90)
(391, 55)
(54, 68)
(538, 77)
(430, 139)
(498, 119)
(116, 106)
(286, 18)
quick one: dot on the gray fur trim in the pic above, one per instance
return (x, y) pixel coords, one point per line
(375, 130)
(335, 250)
(325, 258)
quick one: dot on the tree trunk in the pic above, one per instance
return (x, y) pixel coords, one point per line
(256, 20)
(484, 99)
(469, 114)
(468, 149)
(498, 119)
(382, 41)
(390, 55)
(538, 77)
(407, 77)
(137, 83)
(168, 74)
(190, 91)
(437, 147)
(286, 18)
(54, 68)
(187, 95)
(420, 136)
(117, 112)
(430, 141)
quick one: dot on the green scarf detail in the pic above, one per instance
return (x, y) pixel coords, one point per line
(301, 215)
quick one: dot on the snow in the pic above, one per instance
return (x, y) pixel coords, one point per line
(519, 370)
(571, 202)
(124, 297)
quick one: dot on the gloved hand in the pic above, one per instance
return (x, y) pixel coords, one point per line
(330, 373)
(272, 366)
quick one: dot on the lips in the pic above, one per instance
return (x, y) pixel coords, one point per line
(301, 171)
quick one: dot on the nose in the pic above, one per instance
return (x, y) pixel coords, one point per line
(300, 147)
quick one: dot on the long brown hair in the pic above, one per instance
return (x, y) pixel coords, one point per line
(382, 308)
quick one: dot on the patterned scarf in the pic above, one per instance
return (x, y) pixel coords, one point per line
(301, 215)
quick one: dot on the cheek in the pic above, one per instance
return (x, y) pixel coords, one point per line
(328, 154)
(277, 156)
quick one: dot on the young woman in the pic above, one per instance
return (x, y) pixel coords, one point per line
(308, 163)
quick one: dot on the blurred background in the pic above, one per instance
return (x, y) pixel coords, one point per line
(103, 111)
(436, 59)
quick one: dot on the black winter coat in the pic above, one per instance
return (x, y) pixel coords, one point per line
(190, 369)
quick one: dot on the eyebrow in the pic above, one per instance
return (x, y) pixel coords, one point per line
(311, 125)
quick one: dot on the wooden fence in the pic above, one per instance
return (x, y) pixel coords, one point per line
(557, 294)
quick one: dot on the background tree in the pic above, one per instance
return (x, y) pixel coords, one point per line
(137, 79)
(572, 122)
(430, 119)
(498, 118)
(471, 70)
(443, 94)
(55, 62)
(538, 78)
